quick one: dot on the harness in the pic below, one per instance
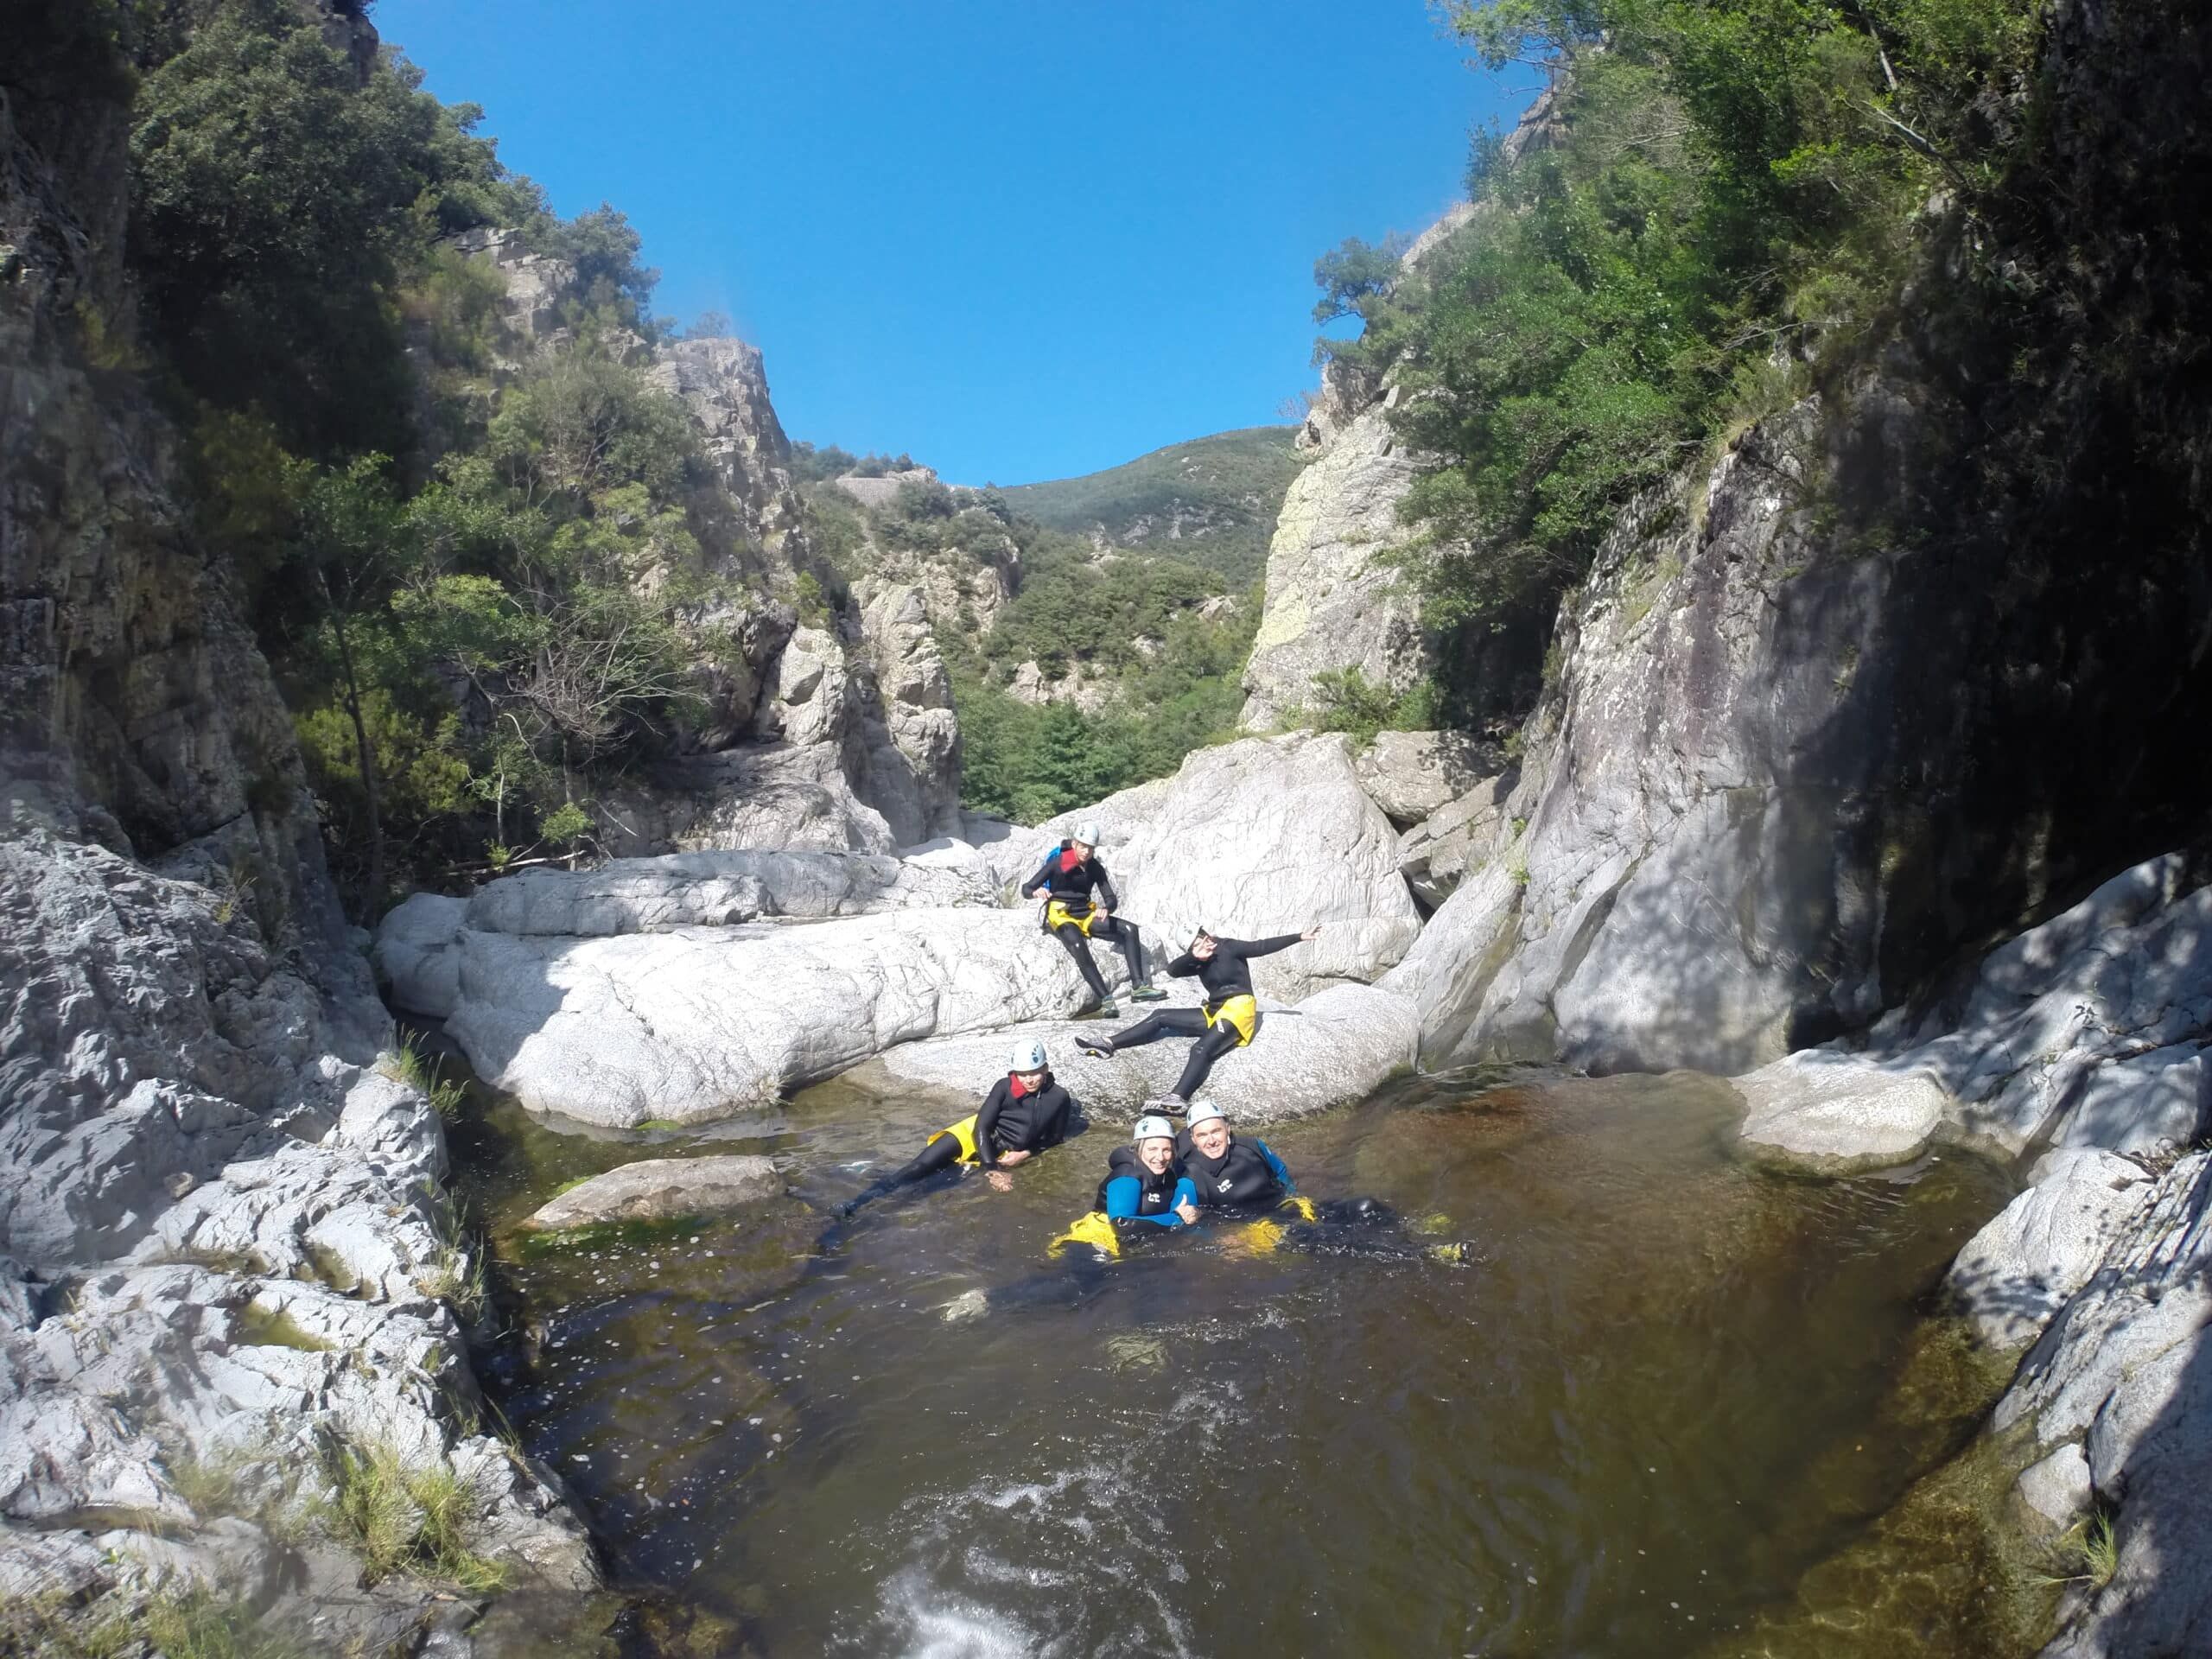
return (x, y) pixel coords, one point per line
(965, 1132)
(1242, 1013)
(1064, 910)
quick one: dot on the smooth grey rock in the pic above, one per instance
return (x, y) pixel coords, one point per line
(721, 889)
(1832, 1113)
(2018, 1271)
(654, 1189)
(1412, 775)
(1337, 1047)
(1253, 839)
(2056, 1488)
(704, 1023)
(417, 953)
(1465, 833)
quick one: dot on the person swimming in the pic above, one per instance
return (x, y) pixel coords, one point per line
(1026, 1113)
(1230, 1018)
(1142, 1190)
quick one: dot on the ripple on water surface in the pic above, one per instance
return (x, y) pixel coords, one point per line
(1663, 1388)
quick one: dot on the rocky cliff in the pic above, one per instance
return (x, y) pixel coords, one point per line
(228, 1270)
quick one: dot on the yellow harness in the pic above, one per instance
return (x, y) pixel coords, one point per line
(965, 1132)
(1095, 1230)
(1056, 915)
(1242, 1012)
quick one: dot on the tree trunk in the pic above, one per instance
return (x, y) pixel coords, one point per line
(375, 895)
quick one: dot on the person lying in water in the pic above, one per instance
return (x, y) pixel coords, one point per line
(1025, 1113)
(1230, 1018)
(1143, 1191)
(1071, 873)
(1241, 1176)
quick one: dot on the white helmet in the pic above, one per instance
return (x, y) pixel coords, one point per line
(1028, 1055)
(1151, 1128)
(1086, 832)
(1200, 1114)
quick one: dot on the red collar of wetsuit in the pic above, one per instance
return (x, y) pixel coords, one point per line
(1013, 1085)
(1068, 859)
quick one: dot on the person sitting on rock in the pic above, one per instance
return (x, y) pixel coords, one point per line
(1242, 1178)
(1025, 1113)
(1143, 1191)
(1229, 1018)
(1068, 875)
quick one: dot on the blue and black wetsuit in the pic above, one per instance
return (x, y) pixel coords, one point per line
(1012, 1118)
(1131, 1201)
(1229, 1020)
(1070, 913)
(1247, 1176)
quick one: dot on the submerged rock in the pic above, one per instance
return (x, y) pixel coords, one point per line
(659, 1189)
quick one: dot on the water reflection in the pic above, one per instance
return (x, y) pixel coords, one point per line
(1663, 1389)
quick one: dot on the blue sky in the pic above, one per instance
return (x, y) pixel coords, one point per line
(1020, 240)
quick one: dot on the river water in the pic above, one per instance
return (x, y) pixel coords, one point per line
(1661, 1387)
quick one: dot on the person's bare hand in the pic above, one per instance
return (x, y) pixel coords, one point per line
(999, 1181)
(1008, 1160)
(1314, 932)
(1189, 1212)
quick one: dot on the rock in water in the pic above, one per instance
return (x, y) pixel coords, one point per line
(1831, 1114)
(657, 1189)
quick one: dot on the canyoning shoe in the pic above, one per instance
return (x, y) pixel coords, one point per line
(1148, 993)
(1455, 1254)
(1108, 1009)
(1174, 1105)
(1096, 1049)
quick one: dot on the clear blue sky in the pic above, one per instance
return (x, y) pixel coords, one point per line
(1020, 239)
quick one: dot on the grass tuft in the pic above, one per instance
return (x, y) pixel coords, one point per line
(410, 1520)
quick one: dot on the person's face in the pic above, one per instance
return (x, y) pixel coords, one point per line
(1211, 1137)
(1030, 1080)
(1082, 850)
(1155, 1153)
(1202, 947)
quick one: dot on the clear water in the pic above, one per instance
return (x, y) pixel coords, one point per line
(1665, 1387)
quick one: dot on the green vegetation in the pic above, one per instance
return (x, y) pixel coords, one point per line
(195, 1625)
(405, 1519)
(1212, 502)
(1129, 626)
(1721, 215)
(1344, 701)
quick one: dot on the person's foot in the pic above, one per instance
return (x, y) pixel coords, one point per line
(1452, 1254)
(1176, 1105)
(1095, 1048)
(1108, 1009)
(1148, 993)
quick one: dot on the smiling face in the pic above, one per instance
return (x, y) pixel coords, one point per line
(1031, 1081)
(1202, 947)
(1155, 1153)
(1211, 1137)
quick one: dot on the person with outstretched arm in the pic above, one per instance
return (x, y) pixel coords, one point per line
(1070, 875)
(1230, 1018)
(1026, 1113)
(1143, 1191)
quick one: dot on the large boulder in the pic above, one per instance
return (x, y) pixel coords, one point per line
(1834, 1115)
(1411, 774)
(1253, 839)
(775, 795)
(1336, 1047)
(1463, 833)
(2018, 1271)
(661, 1189)
(703, 1023)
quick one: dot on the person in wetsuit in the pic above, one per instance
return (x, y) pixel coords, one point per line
(1071, 873)
(1230, 1018)
(1242, 1177)
(1143, 1191)
(1025, 1113)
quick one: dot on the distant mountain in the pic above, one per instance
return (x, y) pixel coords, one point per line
(1212, 500)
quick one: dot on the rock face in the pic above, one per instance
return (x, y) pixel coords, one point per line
(661, 1189)
(1331, 604)
(1463, 833)
(223, 1242)
(1251, 839)
(2018, 1271)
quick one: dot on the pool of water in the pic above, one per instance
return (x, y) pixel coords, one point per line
(1663, 1388)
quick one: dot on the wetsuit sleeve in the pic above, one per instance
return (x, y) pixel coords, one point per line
(1183, 967)
(1125, 1192)
(987, 1154)
(1275, 1164)
(1043, 878)
(1263, 947)
(1106, 893)
(1058, 1117)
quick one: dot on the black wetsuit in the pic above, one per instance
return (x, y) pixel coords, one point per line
(1010, 1120)
(1247, 1176)
(1073, 880)
(1224, 975)
(1131, 1192)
